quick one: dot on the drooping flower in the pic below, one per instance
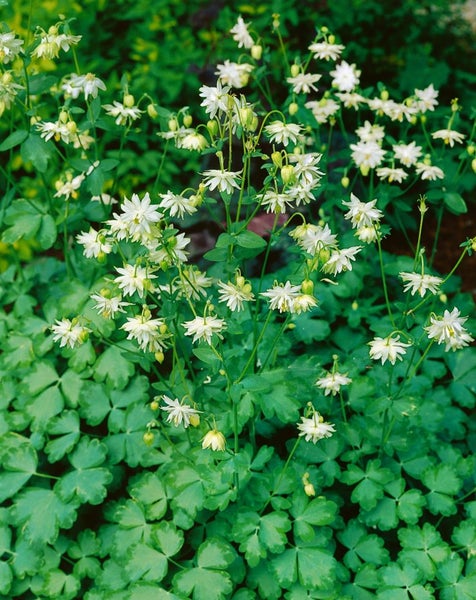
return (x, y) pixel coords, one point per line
(391, 174)
(149, 333)
(177, 205)
(223, 181)
(303, 83)
(325, 50)
(178, 412)
(428, 171)
(215, 99)
(95, 243)
(449, 136)
(283, 133)
(137, 216)
(235, 294)
(134, 278)
(362, 214)
(87, 84)
(108, 306)
(314, 428)
(203, 328)
(407, 154)
(340, 260)
(426, 99)
(332, 382)
(123, 114)
(282, 296)
(448, 329)
(215, 440)
(367, 155)
(323, 109)
(10, 47)
(234, 74)
(389, 348)
(52, 42)
(314, 238)
(421, 283)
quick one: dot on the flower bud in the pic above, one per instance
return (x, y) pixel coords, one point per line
(256, 51)
(364, 169)
(473, 164)
(173, 124)
(293, 108)
(384, 95)
(63, 117)
(194, 420)
(307, 287)
(288, 174)
(345, 182)
(240, 281)
(277, 159)
(331, 39)
(470, 149)
(309, 489)
(159, 357)
(295, 70)
(152, 112)
(154, 405)
(148, 438)
(187, 120)
(163, 329)
(129, 100)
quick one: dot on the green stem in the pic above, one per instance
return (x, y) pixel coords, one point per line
(281, 475)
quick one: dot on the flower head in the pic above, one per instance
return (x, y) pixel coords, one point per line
(362, 214)
(149, 333)
(325, 50)
(241, 34)
(215, 440)
(314, 428)
(448, 329)
(421, 283)
(332, 382)
(108, 306)
(69, 332)
(178, 412)
(449, 136)
(341, 260)
(346, 77)
(203, 328)
(407, 154)
(10, 47)
(122, 113)
(95, 243)
(223, 181)
(134, 278)
(303, 83)
(283, 133)
(389, 348)
(282, 296)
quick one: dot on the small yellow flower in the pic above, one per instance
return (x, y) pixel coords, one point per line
(215, 440)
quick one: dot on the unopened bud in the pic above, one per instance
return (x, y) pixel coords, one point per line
(63, 116)
(470, 149)
(295, 70)
(384, 95)
(194, 420)
(148, 438)
(129, 100)
(159, 357)
(173, 124)
(277, 159)
(473, 164)
(307, 287)
(364, 169)
(256, 51)
(152, 112)
(154, 405)
(187, 120)
(288, 174)
(293, 108)
(345, 181)
(331, 39)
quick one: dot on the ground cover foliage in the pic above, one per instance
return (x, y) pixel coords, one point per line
(216, 380)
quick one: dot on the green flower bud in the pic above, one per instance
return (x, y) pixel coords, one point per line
(293, 108)
(288, 174)
(256, 51)
(129, 100)
(187, 120)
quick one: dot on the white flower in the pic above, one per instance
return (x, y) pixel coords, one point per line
(241, 34)
(282, 296)
(341, 260)
(146, 331)
(421, 283)
(313, 238)
(283, 133)
(234, 74)
(426, 99)
(391, 174)
(138, 215)
(124, 115)
(332, 382)
(346, 77)
(323, 109)
(215, 99)
(449, 136)
(369, 132)
(203, 328)
(193, 283)
(351, 99)
(87, 84)
(192, 140)
(303, 303)
(177, 205)
(215, 440)
(69, 333)
(315, 428)
(10, 47)
(235, 294)
(108, 306)
(367, 233)
(52, 42)
(133, 278)
(276, 202)
(178, 412)
(367, 155)
(362, 214)
(303, 83)
(429, 172)
(326, 51)
(165, 249)
(223, 181)
(305, 167)
(448, 329)
(407, 154)
(94, 242)
(69, 188)
(389, 348)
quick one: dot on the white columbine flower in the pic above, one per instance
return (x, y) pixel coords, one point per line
(69, 333)
(407, 154)
(370, 132)
(283, 133)
(109, 306)
(346, 77)
(428, 171)
(203, 328)
(426, 99)
(234, 74)
(178, 412)
(52, 42)
(133, 278)
(138, 215)
(449, 136)
(235, 294)
(315, 428)
(10, 47)
(391, 174)
(448, 329)
(241, 34)
(88, 84)
(215, 440)
(367, 155)
(303, 83)
(215, 99)
(313, 238)
(282, 296)
(362, 214)
(177, 205)
(332, 382)
(421, 283)
(340, 260)
(389, 348)
(323, 109)
(326, 51)
(94, 242)
(223, 181)
(145, 330)
(123, 115)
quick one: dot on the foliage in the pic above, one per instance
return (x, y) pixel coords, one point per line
(217, 382)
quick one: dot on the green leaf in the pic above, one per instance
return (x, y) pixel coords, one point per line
(370, 489)
(57, 584)
(307, 515)
(313, 567)
(44, 407)
(6, 578)
(41, 377)
(168, 538)
(150, 491)
(112, 368)
(19, 461)
(88, 481)
(41, 513)
(249, 239)
(37, 151)
(215, 554)
(257, 534)
(26, 559)
(67, 427)
(401, 580)
(15, 138)
(443, 483)
(263, 578)
(94, 403)
(364, 548)
(145, 563)
(453, 584)
(410, 506)
(455, 203)
(464, 536)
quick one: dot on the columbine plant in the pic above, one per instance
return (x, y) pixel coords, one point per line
(273, 411)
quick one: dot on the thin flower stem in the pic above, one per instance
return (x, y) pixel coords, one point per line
(255, 349)
(384, 282)
(281, 475)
